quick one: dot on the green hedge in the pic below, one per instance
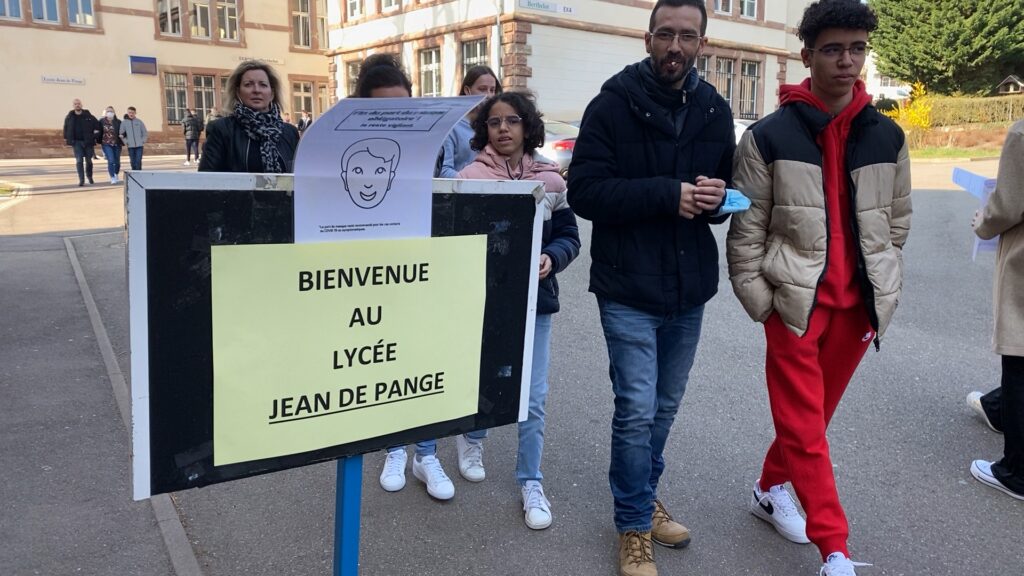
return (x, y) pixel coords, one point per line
(957, 111)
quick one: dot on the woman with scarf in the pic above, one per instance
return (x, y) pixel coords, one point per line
(250, 136)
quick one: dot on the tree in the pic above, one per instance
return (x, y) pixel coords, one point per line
(950, 46)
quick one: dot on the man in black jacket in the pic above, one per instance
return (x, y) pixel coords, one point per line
(649, 170)
(81, 129)
(192, 127)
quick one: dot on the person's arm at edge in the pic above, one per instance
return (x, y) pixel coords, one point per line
(748, 232)
(564, 244)
(448, 157)
(1005, 207)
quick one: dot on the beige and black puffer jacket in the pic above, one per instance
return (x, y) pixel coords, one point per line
(777, 249)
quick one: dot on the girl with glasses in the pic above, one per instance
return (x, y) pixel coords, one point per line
(508, 130)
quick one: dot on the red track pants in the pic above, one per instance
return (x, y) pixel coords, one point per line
(806, 378)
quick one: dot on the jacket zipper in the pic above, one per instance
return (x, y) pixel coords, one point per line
(862, 268)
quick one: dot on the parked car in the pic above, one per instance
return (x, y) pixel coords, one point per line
(559, 141)
(740, 126)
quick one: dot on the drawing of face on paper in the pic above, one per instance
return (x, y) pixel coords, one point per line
(368, 168)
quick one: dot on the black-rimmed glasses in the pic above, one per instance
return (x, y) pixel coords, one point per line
(836, 50)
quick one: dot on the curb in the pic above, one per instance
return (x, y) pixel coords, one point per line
(179, 549)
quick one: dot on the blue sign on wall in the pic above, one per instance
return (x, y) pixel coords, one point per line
(142, 65)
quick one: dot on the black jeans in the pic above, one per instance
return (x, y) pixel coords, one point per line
(992, 404)
(83, 151)
(191, 147)
(1010, 470)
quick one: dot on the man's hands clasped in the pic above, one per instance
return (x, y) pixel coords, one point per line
(706, 194)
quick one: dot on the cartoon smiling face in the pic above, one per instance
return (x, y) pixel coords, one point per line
(368, 168)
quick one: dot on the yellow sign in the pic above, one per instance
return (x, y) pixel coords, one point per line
(316, 345)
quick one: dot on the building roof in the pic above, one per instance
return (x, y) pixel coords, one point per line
(1011, 79)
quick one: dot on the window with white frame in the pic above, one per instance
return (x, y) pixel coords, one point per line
(748, 8)
(750, 80)
(354, 8)
(175, 96)
(726, 76)
(301, 33)
(168, 12)
(227, 19)
(321, 23)
(302, 96)
(390, 4)
(200, 19)
(430, 72)
(351, 75)
(10, 9)
(45, 11)
(203, 94)
(723, 6)
(474, 53)
(323, 101)
(80, 13)
(886, 82)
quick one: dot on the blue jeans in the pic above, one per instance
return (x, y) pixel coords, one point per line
(531, 430)
(83, 151)
(649, 356)
(135, 157)
(191, 148)
(113, 156)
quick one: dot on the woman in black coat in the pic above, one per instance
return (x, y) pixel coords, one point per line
(251, 137)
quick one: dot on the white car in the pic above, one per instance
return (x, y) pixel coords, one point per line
(740, 126)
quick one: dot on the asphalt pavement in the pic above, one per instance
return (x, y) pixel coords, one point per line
(902, 439)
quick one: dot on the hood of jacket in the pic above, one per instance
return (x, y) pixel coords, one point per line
(490, 165)
(816, 114)
(657, 105)
(85, 114)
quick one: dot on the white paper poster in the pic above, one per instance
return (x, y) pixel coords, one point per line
(364, 168)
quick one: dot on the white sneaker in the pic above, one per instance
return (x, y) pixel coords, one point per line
(392, 477)
(982, 472)
(837, 564)
(186, 163)
(536, 508)
(471, 458)
(974, 401)
(428, 470)
(777, 508)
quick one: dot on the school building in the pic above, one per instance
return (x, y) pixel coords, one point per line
(563, 51)
(161, 56)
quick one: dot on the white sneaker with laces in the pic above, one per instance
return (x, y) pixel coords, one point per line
(428, 470)
(777, 508)
(392, 477)
(536, 508)
(982, 472)
(974, 401)
(471, 458)
(837, 564)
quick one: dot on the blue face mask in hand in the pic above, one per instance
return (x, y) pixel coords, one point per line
(735, 201)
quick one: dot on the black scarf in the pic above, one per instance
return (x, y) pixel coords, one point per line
(265, 128)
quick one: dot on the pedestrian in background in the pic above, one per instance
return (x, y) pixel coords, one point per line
(650, 167)
(134, 136)
(818, 258)
(1004, 216)
(192, 127)
(81, 129)
(304, 121)
(250, 136)
(457, 151)
(110, 139)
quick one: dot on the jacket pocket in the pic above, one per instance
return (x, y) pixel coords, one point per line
(768, 264)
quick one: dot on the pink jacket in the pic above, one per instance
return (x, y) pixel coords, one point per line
(489, 165)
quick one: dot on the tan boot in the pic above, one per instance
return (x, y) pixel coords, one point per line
(636, 554)
(665, 530)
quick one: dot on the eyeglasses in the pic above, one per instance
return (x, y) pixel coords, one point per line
(496, 121)
(836, 50)
(668, 37)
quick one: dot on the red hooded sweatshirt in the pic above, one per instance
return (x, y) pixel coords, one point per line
(839, 288)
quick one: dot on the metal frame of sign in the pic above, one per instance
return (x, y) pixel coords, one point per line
(140, 184)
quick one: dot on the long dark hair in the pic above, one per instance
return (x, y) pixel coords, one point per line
(474, 74)
(523, 104)
(381, 70)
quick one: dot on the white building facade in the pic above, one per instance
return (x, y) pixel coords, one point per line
(563, 51)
